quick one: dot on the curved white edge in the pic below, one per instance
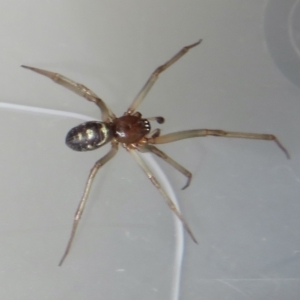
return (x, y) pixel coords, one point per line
(179, 233)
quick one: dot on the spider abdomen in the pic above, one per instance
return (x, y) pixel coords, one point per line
(130, 129)
(89, 136)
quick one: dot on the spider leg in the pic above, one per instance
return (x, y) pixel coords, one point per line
(162, 192)
(78, 88)
(176, 136)
(150, 82)
(165, 157)
(83, 200)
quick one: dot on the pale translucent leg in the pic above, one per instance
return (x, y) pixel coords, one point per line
(165, 157)
(79, 89)
(146, 88)
(176, 136)
(83, 200)
(162, 192)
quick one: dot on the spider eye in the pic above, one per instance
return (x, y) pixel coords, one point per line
(89, 136)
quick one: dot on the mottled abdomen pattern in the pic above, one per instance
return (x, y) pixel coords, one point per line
(89, 136)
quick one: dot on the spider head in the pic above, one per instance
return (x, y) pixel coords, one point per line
(89, 136)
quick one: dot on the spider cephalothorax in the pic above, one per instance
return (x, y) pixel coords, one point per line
(134, 133)
(130, 129)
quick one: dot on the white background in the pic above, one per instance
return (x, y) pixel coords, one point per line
(243, 204)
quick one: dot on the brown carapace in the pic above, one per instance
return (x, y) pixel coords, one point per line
(134, 133)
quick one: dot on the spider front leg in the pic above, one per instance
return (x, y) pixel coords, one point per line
(83, 200)
(170, 203)
(150, 82)
(79, 89)
(176, 136)
(166, 158)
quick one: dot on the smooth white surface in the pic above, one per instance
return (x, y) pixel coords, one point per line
(243, 203)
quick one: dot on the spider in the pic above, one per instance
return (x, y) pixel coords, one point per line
(133, 133)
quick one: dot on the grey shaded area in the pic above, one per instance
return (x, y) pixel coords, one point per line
(282, 33)
(243, 202)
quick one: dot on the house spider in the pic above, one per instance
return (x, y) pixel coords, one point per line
(134, 133)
